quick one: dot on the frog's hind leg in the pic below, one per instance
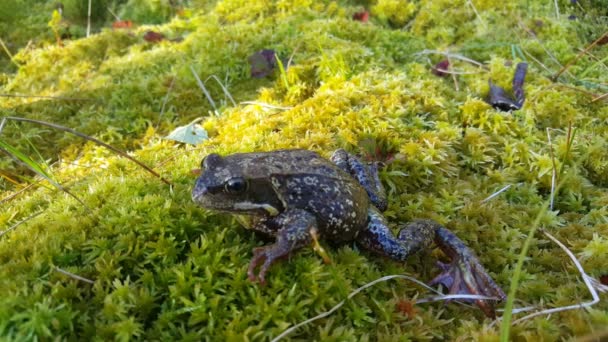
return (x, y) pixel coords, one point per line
(365, 174)
(464, 275)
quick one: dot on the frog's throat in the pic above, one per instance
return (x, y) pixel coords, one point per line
(272, 211)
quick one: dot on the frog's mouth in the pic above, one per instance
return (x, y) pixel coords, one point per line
(242, 207)
(248, 207)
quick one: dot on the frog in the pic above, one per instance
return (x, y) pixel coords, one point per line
(296, 196)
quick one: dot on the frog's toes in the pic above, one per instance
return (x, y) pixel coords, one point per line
(467, 276)
(266, 256)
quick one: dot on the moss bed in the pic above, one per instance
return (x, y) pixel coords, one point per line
(164, 269)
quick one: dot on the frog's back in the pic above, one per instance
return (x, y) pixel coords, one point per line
(286, 163)
(305, 180)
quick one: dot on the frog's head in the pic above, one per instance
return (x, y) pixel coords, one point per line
(232, 184)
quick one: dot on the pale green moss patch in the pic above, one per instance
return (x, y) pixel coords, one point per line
(165, 269)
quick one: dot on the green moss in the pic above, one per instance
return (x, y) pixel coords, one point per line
(165, 269)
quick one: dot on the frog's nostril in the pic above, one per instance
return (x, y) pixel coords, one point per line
(199, 192)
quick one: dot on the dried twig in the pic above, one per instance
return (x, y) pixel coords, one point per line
(265, 105)
(89, 20)
(372, 283)
(89, 138)
(450, 55)
(49, 97)
(483, 23)
(202, 86)
(586, 279)
(601, 97)
(577, 57)
(2, 233)
(165, 100)
(553, 171)
(496, 193)
(75, 276)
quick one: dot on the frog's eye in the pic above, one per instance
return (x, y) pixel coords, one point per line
(236, 185)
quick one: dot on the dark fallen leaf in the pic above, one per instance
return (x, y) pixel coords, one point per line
(262, 63)
(604, 279)
(153, 37)
(122, 24)
(603, 40)
(362, 16)
(440, 68)
(499, 99)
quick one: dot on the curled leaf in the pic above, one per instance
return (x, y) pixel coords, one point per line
(123, 24)
(499, 99)
(362, 16)
(153, 37)
(440, 68)
(262, 63)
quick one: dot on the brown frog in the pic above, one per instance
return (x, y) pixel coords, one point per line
(293, 195)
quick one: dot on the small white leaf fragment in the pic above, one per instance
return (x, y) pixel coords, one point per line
(192, 133)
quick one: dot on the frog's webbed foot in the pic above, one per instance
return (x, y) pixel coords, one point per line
(465, 274)
(297, 225)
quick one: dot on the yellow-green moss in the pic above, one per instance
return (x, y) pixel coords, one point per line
(166, 270)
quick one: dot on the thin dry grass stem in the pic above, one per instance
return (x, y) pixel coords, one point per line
(536, 60)
(165, 100)
(97, 141)
(556, 9)
(505, 188)
(4, 232)
(483, 23)
(89, 20)
(598, 62)
(75, 276)
(553, 171)
(586, 279)
(202, 86)
(454, 78)
(533, 35)
(452, 297)
(32, 168)
(8, 52)
(49, 97)
(351, 295)
(561, 85)
(265, 105)
(17, 193)
(292, 54)
(577, 57)
(114, 14)
(450, 55)
(601, 97)
(457, 72)
(569, 141)
(440, 297)
(224, 89)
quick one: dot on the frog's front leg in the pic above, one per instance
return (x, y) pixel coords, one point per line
(294, 227)
(464, 275)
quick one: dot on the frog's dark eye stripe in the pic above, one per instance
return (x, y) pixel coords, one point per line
(236, 185)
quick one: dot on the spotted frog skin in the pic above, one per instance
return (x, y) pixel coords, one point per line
(295, 195)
